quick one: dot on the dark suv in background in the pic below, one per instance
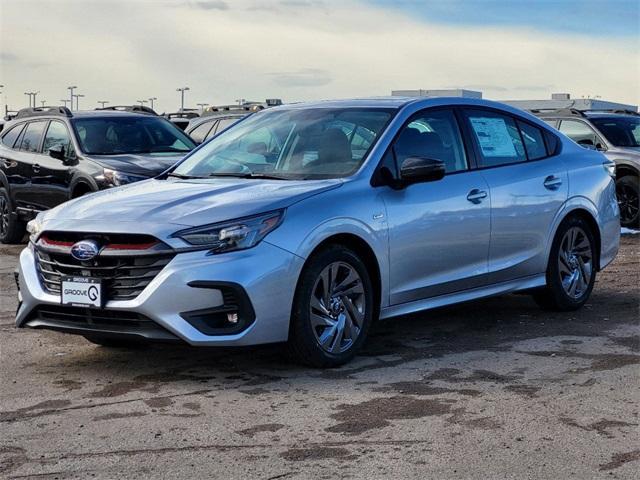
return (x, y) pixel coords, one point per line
(50, 155)
(615, 133)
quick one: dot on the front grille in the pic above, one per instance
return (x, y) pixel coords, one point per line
(123, 276)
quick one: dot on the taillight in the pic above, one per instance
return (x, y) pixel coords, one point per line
(610, 167)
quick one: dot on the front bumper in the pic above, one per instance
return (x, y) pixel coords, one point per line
(266, 273)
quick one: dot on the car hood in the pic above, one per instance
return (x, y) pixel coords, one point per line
(184, 202)
(146, 165)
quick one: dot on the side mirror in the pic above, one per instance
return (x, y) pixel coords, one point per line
(587, 143)
(57, 151)
(418, 169)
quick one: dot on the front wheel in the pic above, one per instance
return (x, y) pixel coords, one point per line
(628, 193)
(571, 272)
(332, 310)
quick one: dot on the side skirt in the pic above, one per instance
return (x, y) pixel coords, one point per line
(524, 283)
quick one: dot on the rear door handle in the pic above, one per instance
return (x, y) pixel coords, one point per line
(476, 196)
(552, 182)
(36, 167)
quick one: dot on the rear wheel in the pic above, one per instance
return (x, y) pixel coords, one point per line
(628, 193)
(571, 272)
(333, 309)
(11, 228)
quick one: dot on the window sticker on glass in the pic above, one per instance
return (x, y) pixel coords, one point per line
(493, 136)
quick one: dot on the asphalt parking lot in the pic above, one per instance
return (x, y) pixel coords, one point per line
(490, 389)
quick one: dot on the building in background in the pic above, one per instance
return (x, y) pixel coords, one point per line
(560, 101)
(452, 92)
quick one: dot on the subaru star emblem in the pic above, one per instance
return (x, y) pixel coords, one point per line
(85, 250)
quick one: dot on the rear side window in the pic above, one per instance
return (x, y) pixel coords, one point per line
(32, 136)
(200, 132)
(497, 137)
(9, 139)
(533, 141)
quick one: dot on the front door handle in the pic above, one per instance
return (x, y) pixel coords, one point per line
(552, 182)
(476, 196)
(36, 167)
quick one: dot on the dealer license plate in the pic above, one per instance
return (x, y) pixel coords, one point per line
(82, 291)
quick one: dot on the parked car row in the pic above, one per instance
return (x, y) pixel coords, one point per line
(51, 155)
(306, 223)
(616, 133)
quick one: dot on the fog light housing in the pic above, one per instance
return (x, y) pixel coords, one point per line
(233, 316)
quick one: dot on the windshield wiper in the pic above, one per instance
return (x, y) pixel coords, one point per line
(248, 175)
(180, 175)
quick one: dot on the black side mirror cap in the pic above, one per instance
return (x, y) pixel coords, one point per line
(57, 151)
(418, 169)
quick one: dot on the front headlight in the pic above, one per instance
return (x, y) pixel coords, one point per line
(34, 227)
(236, 234)
(115, 178)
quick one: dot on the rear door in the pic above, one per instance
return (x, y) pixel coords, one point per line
(528, 186)
(26, 148)
(9, 164)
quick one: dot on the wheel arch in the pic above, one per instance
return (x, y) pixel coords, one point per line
(366, 253)
(80, 186)
(588, 215)
(626, 170)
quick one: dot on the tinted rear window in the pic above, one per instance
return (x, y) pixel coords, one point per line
(9, 139)
(32, 136)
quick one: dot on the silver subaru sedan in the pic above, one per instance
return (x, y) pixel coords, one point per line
(306, 223)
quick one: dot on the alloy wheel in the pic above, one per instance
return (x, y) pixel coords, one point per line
(628, 202)
(575, 262)
(4, 216)
(337, 307)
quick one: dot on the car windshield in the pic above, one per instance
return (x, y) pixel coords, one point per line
(131, 134)
(621, 131)
(311, 143)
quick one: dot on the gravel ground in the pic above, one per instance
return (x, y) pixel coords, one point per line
(490, 389)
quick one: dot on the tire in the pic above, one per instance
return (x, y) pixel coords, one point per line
(323, 333)
(12, 229)
(628, 193)
(114, 342)
(571, 270)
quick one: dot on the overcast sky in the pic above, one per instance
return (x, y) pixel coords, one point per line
(122, 51)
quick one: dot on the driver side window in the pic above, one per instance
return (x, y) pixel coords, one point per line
(58, 135)
(433, 135)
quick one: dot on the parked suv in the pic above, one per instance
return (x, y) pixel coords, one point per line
(50, 155)
(616, 133)
(306, 223)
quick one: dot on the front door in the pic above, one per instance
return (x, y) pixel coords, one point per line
(438, 231)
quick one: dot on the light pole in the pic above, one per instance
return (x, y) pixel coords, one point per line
(64, 102)
(240, 101)
(142, 102)
(71, 89)
(202, 105)
(103, 103)
(77, 97)
(43, 102)
(32, 98)
(182, 90)
(152, 99)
